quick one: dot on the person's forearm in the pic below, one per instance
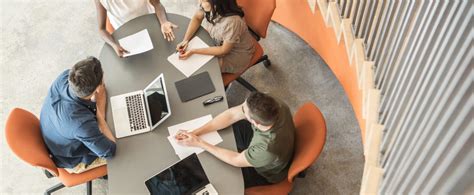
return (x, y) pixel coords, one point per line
(101, 107)
(214, 51)
(102, 20)
(192, 28)
(104, 128)
(160, 12)
(107, 37)
(223, 154)
(221, 121)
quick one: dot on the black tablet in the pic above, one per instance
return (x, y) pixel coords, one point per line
(194, 86)
(185, 177)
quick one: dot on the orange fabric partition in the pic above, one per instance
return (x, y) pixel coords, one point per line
(296, 15)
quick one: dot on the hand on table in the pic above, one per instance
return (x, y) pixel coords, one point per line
(119, 50)
(180, 135)
(183, 55)
(182, 46)
(167, 30)
(188, 139)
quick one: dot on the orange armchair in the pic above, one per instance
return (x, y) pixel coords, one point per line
(309, 142)
(258, 15)
(23, 135)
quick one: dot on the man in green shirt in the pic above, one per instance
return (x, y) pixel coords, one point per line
(264, 132)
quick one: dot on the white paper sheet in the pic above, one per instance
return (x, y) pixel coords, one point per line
(193, 63)
(137, 43)
(184, 151)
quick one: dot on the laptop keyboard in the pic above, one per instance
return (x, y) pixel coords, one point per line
(136, 113)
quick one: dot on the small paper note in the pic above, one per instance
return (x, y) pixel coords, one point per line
(137, 43)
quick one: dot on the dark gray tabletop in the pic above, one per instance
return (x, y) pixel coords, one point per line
(141, 156)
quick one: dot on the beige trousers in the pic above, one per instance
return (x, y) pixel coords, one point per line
(82, 167)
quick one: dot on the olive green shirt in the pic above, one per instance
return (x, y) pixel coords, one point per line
(271, 151)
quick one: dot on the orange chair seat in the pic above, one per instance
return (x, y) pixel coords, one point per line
(283, 187)
(75, 179)
(229, 77)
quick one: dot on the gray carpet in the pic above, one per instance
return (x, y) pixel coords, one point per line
(41, 38)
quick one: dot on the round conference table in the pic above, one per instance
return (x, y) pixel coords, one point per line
(141, 156)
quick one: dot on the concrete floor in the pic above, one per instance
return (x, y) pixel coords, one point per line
(41, 38)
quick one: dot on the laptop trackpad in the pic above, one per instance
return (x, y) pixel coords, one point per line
(120, 121)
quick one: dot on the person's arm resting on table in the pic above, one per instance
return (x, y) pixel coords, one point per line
(106, 36)
(230, 38)
(230, 157)
(190, 31)
(222, 121)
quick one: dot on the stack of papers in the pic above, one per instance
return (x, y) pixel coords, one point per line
(137, 43)
(193, 63)
(183, 151)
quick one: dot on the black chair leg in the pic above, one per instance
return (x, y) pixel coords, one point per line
(54, 189)
(265, 61)
(89, 188)
(246, 84)
(301, 174)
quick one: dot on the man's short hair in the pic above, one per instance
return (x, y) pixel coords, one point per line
(263, 108)
(85, 76)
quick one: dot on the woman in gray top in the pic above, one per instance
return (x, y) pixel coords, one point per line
(224, 21)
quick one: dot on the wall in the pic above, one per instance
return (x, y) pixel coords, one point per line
(406, 67)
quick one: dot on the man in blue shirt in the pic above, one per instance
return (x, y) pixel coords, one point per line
(73, 118)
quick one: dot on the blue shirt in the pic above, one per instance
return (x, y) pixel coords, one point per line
(69, 127)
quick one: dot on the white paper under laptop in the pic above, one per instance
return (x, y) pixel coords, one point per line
(193, 63)
(184, 151)
(137, 43)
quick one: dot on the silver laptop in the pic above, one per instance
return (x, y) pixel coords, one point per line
(141, 111)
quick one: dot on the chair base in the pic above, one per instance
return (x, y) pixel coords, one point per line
(48, 174)
(246, 84)
(54, 189)
(60, 186)
(266, 62)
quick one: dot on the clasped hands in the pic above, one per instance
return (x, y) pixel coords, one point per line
(186, 138)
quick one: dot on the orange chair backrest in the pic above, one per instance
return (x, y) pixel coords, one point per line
(258, 14)
(309, 140)
(108, 26)
(23, 135)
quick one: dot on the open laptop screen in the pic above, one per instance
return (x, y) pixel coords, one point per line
(185, 177)
(157, 100)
